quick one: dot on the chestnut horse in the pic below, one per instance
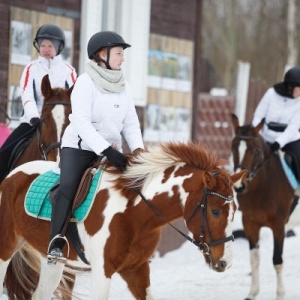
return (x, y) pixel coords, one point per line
(54, 119)
(45, 143)
(123, 227)
(264, 197)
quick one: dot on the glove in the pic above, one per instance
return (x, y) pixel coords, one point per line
(115, 157)
(275, 146)
(35, 122)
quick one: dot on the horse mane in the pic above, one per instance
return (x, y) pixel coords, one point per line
(144, 166)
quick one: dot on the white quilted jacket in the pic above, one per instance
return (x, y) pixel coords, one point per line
(276, 108)
(98, 119)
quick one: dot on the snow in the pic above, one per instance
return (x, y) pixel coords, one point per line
(182, 273)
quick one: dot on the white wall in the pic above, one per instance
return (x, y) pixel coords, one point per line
(131, 19)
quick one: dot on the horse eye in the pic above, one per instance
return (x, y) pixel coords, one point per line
(216, 212)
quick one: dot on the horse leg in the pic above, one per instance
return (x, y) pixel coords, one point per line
(252, 233)
(138, 281)
(3, 268)
(50, 276)
(278, 235)
(100, 283)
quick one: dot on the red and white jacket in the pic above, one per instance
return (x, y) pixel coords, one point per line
(60, 73)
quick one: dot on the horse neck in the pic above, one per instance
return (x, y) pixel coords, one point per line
(162, 206)
(265, 179)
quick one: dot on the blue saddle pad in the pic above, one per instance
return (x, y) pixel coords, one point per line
(289, 173)
(37, 201)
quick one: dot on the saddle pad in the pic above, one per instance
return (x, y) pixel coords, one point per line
(37, 201)
(289, 173)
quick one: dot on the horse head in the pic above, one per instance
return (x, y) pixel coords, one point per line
(209, 215)
(249, 151)
(54, 118)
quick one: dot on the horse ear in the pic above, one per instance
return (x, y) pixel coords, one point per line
(209, 180)
(260, 126)
(235, 122)
(237, 176)
(46, 86)
(71, 89)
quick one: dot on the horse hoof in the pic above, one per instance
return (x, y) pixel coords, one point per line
(290, 233)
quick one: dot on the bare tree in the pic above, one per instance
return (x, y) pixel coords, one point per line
(253, 31)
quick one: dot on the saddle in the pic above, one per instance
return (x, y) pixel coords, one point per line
(82, 189)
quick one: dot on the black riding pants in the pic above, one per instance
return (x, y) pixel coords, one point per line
(23, 131)
(73, 163)
(293, 149)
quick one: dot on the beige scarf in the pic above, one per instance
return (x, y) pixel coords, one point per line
(106, 81)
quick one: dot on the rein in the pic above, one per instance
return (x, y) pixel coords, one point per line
(202, 246)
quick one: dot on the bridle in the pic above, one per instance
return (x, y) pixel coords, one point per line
(43, 149)
(254, 167)
(202, 245)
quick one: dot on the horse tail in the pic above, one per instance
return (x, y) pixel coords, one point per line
(22, 274)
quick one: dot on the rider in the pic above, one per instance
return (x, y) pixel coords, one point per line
(280, 106)
(102, 110)
(49, 42)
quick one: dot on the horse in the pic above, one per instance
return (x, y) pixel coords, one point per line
(123, 226)
(264, 197)
(45, 143)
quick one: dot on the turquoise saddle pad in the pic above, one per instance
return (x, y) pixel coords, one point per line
(37, 201)
(289, 173)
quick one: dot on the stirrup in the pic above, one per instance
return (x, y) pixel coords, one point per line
(56, 254)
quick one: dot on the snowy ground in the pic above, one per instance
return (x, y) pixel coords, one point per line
(182, 274)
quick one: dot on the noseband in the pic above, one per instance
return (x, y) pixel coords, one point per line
(202, 205)
(202, 245)
(45, 150)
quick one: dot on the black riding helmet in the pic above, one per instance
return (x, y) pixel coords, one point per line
(50, 32)
(292, 76)
(290, 81)
(104, 39)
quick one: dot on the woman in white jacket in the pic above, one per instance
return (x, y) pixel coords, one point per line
(102, 111)
(49, 42)
(280, 106)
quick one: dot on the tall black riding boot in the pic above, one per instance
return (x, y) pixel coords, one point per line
(60, 211)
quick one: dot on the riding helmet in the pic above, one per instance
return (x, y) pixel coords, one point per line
(292, 76)
(50, 32)
(104, 39)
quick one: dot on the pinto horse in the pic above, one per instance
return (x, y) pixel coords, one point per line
(123, 226)
(264, 197)
(54, 119)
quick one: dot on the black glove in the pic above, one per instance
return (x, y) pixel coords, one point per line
(275, 146)
(35, 122)
(115, 157)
